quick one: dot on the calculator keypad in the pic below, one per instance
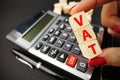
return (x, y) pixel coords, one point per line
(60, 44)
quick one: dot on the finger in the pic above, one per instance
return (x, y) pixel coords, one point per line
(98, 61)
(113, 33)
(112, 56)
(109, 16)
(109, 56)
(86, 5)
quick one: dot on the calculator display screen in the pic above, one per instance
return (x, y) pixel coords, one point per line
(32, 33)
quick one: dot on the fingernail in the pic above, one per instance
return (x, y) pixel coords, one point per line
(71, 8)
(117, 28)
(98, 61)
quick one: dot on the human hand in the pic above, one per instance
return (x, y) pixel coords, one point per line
(110, 19)
(86, 5)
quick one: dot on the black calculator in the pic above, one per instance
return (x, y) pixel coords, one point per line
(49, 37)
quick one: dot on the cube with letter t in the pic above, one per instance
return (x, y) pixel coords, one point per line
(85, 35)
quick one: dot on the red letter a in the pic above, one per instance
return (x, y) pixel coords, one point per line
(80, 22)
(86, 34)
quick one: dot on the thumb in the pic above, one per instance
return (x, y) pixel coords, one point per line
(109, 56)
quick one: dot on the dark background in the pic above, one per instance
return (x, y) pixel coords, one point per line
(12, 13)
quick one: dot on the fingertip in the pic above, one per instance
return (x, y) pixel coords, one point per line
(98, 61)
(82, 6)
(69, 11)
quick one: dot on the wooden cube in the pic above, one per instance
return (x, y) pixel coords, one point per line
(66, 9)
(89, 18)
(57, 8)
(62, 1)
(58, 11)
(72, 3)
(78, 21)
(89, 15)
(85, 34)
(90, 12)
(90, 49)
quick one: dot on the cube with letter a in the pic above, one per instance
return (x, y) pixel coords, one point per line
(85, 35)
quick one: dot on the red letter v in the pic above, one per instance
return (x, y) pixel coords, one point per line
(80, 22)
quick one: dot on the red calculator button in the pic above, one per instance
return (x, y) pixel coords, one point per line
(71, 61)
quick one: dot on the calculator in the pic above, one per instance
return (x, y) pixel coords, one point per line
(49, 37)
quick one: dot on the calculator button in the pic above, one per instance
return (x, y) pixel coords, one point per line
(53, 52)
(62, 56)
(58, 22)
(71, 38)
(45, 37)
(59, 43)
(45, 49)
(62, 26)
(68, 29)
(71, 61)
(76, 50)
(64, 35)
(82, 65)
(57, 33)
(52, 40)
(51, 30)
(38, 46)
(66, 20)
(67, 46)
